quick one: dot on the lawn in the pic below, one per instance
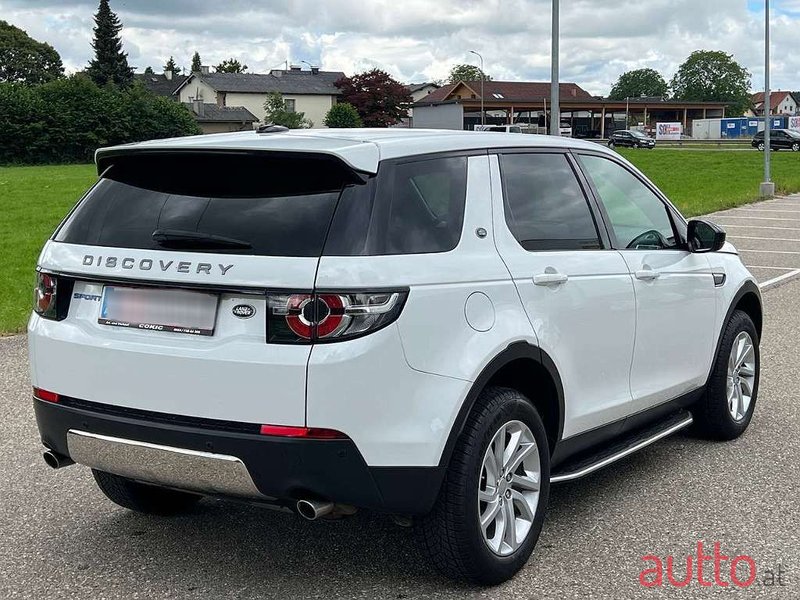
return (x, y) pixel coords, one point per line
(704, 181)
(33, 200)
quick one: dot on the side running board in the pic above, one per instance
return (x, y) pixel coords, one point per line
(584, 465)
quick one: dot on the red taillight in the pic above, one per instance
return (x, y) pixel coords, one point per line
(45, 395)
(300, 318)
(44, 301)
(316, 433)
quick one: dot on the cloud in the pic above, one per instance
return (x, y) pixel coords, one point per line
(421, 39)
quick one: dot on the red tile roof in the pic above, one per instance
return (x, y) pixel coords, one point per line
(518, 91)
(775, 100)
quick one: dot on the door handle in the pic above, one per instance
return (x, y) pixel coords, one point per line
(550, 279)
(647, 275)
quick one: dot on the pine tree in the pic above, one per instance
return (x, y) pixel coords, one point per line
(171, 66)
(110, 64)
(196, 62)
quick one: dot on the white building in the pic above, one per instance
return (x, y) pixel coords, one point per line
(311, 92)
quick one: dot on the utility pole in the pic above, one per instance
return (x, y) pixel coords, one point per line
(483, 78)
(555, 104)
(768, 186)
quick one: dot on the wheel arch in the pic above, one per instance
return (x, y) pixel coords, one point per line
(524, 367)
(748, 300)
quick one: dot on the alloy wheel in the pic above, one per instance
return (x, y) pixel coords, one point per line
(508, 490)
(741, 375)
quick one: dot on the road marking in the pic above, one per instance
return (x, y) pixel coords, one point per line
(764, 227)
(748, 237)
(775, 268)
(766, 210)
(758, 218)
(779, 279)
(769, 251)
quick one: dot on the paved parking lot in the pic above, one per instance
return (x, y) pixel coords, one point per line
(59, 537)
(767, 235)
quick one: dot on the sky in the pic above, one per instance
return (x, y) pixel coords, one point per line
(420, 40)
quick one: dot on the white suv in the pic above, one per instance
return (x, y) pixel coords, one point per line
(432, 324)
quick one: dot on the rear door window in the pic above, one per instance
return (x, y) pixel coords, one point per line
(545, 206)
(236, 203)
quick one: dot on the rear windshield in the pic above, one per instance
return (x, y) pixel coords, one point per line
(235, 203)
(273, 206)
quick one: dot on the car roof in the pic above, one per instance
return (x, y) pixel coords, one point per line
(362, 149)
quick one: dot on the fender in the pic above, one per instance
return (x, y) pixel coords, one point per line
(748, 287)
(513, 351)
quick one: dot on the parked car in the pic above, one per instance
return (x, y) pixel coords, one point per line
(499, 128)
(423, 323)
(631, 139)
(780, 139)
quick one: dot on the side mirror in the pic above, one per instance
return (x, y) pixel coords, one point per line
(704, 236)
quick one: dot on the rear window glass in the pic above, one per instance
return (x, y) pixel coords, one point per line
(269, 205)
(411, 207)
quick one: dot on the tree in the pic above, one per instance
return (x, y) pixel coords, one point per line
(379, 99)
(24, 60)
(149, 71)
(110, 64)
(230, 65)
(196, 62)
(171, 66)
(466, 72)
(713, 76)
(343, 114)
(641, 82)
(278, 114)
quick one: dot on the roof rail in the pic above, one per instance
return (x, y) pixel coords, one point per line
(271, 128)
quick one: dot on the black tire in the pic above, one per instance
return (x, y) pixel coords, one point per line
(148, 499)
(795, 147)
(761, 147)
(451, 535)
(712, 418)
(611, 145)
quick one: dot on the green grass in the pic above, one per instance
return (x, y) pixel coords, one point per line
(705, 181)
(33, 200)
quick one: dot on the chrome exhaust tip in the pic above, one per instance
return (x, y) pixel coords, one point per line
(55, 460)
(313, 509)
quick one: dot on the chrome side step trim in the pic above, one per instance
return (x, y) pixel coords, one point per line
(179, 468)
(622, 453)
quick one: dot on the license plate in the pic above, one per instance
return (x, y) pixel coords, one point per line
(156, 309)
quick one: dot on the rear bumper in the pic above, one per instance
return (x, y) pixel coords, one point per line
(214, 459)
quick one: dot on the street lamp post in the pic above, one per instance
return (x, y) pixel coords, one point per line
(483, 78)
(768, 186)
(555, 105)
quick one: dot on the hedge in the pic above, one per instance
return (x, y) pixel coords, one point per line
(66, 120)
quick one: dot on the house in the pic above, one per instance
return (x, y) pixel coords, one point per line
(459, 106)
(312, 92)
(417, 91)
(221, 119)
(163, 84)
(781, 103)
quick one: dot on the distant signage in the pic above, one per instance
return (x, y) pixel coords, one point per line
(731, 125)
(752, 123)
(669, 131)
(794, 123)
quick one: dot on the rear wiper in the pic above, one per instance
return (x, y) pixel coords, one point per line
(183, 238)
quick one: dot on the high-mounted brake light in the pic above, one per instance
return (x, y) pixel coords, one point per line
(45, 395)
(330, 316)
(316, 433)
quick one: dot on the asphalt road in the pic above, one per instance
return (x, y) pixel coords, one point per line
(59, 537)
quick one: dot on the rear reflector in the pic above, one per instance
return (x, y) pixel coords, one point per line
(45, 395)
(316, 433)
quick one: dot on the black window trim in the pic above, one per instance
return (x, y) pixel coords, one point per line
(583, 183)
(673, 214)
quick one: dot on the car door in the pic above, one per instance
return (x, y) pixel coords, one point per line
(675, 291)
(576, 291)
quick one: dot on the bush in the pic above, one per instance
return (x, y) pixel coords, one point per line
(343, 114)
(68, 119)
